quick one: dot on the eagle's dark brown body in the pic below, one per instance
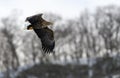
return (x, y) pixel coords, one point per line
(39, 25)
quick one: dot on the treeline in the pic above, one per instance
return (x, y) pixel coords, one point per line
(90, 35)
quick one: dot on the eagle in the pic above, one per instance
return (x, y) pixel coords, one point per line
(46, 35)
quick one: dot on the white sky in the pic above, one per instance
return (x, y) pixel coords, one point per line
(66, 8)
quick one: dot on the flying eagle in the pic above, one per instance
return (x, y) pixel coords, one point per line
(40, 27)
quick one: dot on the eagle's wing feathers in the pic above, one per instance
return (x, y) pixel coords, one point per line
(47, 39)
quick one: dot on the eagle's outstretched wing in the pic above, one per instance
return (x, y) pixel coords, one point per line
(47, 38)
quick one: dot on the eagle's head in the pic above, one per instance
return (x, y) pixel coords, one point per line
(27, 19)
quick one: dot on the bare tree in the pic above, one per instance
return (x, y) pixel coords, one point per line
(8, 33)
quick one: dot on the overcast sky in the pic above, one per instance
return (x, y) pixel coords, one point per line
(66, 8)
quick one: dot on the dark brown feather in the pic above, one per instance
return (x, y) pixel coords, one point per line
(47, 38)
